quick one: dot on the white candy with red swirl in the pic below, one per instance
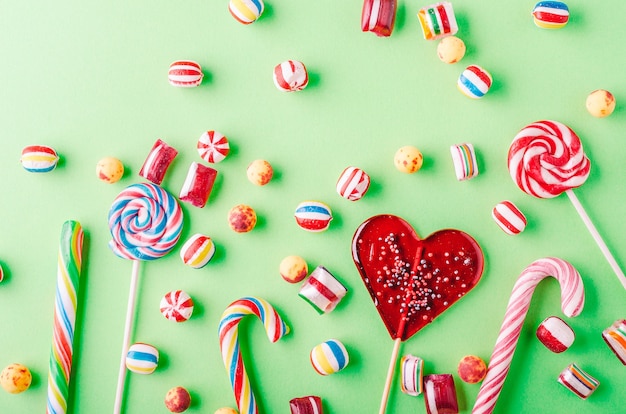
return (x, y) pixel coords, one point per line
(546, 158)
(213, 146)
(291, 76)
(177, 306)
(353, 183)
(510, 219)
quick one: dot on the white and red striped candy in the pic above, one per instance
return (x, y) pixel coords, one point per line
(213, 146)
(313, 216)
(39, 158)
(509, 217)
(197, 251)
(177, 306)
(290, 76)
(353, 183)
(185, 74)
(555, 334)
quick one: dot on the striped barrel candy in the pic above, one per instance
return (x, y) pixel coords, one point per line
(615, 338)
(197, 251)
(213, 146)
(411, 375)
(510, 219)
(379, 16)
(176, 306)
(550, 14)
(329, 357)
(158, 161)
(578, 381)
(291, 76)
(313, 216)
(464, 160)
(142, 358)
(306, 405)
(322, 290)
(474, 82)
(198, 185)
(246, 11)
(185, 74)
(353, 183)
(437, 20)
(39, 158)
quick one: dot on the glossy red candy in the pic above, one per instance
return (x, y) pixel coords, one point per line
(413, 280)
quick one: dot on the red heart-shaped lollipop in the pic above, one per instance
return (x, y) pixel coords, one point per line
(412, 281)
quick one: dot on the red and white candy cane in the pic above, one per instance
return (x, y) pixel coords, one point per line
(572, 302)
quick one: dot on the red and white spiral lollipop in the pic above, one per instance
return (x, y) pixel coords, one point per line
(145, 222)
(546, 158)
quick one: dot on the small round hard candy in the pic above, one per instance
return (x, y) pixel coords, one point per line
(197, 251)
(313, 216)
(555, 334)
(177, 400)
(293, 269)
(291, 76)
(226, 410)
(185, 74)
(550, 14)
(600, 103)
(260, 172)
(109, 170)
(142, 358)
(15, 378)
(39, 158)
(353, 183)
(246, 11)
(408, 159)
(510, 219)
(451, 49)
(329, 357)
(472, 369)
(213, 146)
(177, 306)
(242, 218)
(474, 82)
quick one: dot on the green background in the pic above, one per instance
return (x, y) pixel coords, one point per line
(90, 79)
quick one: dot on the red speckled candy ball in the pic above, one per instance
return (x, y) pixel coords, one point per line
(177, 400)
(242, 218)
(472, 369)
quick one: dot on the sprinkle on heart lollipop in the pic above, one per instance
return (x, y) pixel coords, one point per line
(545, 159)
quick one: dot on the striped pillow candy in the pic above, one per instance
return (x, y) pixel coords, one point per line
(329, 357)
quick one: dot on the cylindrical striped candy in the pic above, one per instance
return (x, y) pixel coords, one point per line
(379, 16)
(615, 338)
(572, 302)
(411, 374)
(353, 183)
(474, 82)
(157, 162)
(65, 308)
(228, 332)
(510, 219)
(185, 74)
(578, 381)
(437, 20)
(313, 216)
(306, 405)
(464, 160)
(177, 306)
(142, 358)
(197, 251)
(555, 334)
(290, 76)
(39, 158)
(322, 290)
(551, 14)
(213, 146)
(246, 11)
(145, 222)
(329, 357)
(546, 158)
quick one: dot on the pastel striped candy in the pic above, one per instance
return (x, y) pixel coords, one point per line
(474, 82)
(291, 76)
(329, 357)
(551, 14)
(411, 374)
(353, 183)
(197, 251)
(578, 381)
(313, 216)
(322, 290)
(185, 74)
(246, 11)
(437, 20)
(213, 146)
(615, 338)
(142, 358)
(509, 217)
(39, 158)
(464, 160)
(306, 405)
(177, 306)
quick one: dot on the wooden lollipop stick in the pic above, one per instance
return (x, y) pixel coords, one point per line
(596, 236)
(130, 316)
(392, 366)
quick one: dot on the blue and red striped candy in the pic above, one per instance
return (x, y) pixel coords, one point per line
(313, 216)
(551, 14)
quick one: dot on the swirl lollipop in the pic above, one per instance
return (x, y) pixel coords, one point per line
(145, 223)
(545, 159)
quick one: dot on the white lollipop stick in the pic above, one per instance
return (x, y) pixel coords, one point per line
(596, 236)
(130, 317)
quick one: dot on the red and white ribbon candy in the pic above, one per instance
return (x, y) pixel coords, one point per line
(290, 76)
(509, 217)
(177, 306)
(213, 146)
(185, 74)
(322, 290)
(353, 183)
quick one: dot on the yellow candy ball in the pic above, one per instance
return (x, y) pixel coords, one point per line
(15, 378)
(451, 49)
(226, 410)
(408, 159)
(260, 172)
(600, 103)
(293, 269)
(110, 170)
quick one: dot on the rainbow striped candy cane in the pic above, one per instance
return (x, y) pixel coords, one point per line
(231, 352)
(68, 276)
(572, 302)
